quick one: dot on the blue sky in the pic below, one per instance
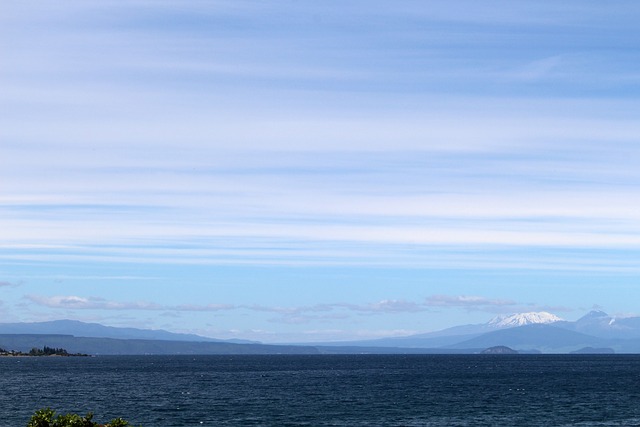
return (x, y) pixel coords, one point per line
(307, 170)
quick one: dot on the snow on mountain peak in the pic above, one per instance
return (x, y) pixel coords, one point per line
(521, 319)
(596, 314)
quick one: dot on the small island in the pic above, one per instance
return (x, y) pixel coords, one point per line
(38, 352)
(591, 350)
(500, 349)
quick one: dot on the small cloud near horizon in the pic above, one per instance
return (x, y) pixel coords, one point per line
(7, 284)
(77, 302)
(470, 302)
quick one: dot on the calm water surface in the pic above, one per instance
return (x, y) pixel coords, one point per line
(358, 390)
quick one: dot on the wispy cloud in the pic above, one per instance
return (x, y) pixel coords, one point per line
(302, 319)
(388, 306)
(282, 134)
(489, 305)
(97, 303)
(86, 303)
(538, 69)
(550, 308)
(197, 307)
(467, 301)
(7, 284)
(79, 302)
(293, 314)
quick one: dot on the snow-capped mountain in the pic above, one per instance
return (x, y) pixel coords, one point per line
(521, 319)
(594, 320)
(600, 324)
(596, 332)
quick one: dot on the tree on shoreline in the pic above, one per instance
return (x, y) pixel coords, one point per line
(48, 351)
(45, 351)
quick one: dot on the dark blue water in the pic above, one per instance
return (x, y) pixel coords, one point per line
(359, 390)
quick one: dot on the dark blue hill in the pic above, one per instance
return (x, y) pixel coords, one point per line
(95, 330)
(112, 346)
(545, 338)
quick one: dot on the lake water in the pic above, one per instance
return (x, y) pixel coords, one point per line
(340, 390)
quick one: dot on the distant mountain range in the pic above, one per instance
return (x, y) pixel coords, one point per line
(529, 332)
(96, 330)
(537, 332)
(93, 338)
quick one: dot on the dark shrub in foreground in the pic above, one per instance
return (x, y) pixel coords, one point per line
(47, 418)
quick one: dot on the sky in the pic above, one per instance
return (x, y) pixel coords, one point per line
(305, 171)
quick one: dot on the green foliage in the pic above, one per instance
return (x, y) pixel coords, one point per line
(118, 422)
(47, 418)
(42, 418)
(73, 420)
(48, 351)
